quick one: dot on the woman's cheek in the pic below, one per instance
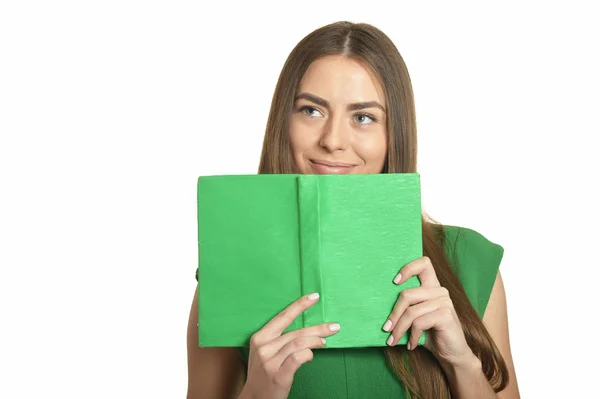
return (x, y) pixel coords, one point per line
(372, 148)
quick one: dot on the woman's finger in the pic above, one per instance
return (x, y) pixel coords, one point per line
(410, 297)
(296, 345)
(322, 330)
(439, 318)
(292, 363)
(421, 267)
(412, 313)
(278, 324)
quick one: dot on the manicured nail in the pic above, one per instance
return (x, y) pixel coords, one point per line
(390, 340)
(397, 278)
(323, 340)
(387, 325)
(334, 327)
(314, 296)
(408, 346)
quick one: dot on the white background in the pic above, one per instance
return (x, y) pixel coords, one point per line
(109, 111)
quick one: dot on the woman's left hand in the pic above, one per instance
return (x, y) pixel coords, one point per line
(428, 307)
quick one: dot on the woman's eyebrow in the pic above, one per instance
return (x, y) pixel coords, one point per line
(368, 104)
(351, 107)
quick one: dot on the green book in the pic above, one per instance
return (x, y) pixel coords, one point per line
(266, 240)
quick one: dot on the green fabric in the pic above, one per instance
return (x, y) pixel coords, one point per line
(476, 261)
(364, 372)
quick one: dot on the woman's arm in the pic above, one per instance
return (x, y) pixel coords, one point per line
(495, 319)
(212, 372)
(468, 380)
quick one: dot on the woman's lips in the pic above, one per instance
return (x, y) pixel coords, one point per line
(326, 167)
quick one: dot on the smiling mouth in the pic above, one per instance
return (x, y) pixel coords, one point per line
(327, 167)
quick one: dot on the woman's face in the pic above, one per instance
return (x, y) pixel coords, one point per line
(338, 123)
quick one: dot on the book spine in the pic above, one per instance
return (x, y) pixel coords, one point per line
(310, 246)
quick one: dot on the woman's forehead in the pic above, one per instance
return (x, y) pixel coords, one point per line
(338, 78)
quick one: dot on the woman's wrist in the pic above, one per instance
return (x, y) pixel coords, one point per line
(467, 380)
(470, 364)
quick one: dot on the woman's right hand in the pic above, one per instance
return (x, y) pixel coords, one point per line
(275, 358)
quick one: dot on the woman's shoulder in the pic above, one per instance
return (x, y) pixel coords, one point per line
(467, 243)
(476, 260)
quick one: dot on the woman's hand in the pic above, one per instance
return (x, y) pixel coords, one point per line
(428, 307)
(275, 358)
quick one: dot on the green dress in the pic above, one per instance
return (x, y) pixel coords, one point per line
(364, 372)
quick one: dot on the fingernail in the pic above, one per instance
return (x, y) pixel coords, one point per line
(314, 296)
(387, 325)
(408, 346)
(390, 340)
(334, 327)
(397, 278)
(323, 340)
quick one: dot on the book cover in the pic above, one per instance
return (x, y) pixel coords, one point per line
(266, 240)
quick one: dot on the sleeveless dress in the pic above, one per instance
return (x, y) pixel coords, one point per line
(365, 372)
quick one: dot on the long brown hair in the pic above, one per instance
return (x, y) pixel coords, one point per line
(419, 370)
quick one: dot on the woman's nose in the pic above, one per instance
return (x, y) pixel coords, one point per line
(335, 136)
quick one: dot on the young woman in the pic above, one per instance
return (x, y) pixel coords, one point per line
(344, 104)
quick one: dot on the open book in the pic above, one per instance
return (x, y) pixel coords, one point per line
(266, 240)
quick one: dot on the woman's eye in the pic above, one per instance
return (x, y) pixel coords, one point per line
(309, 110)
(364, 119)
